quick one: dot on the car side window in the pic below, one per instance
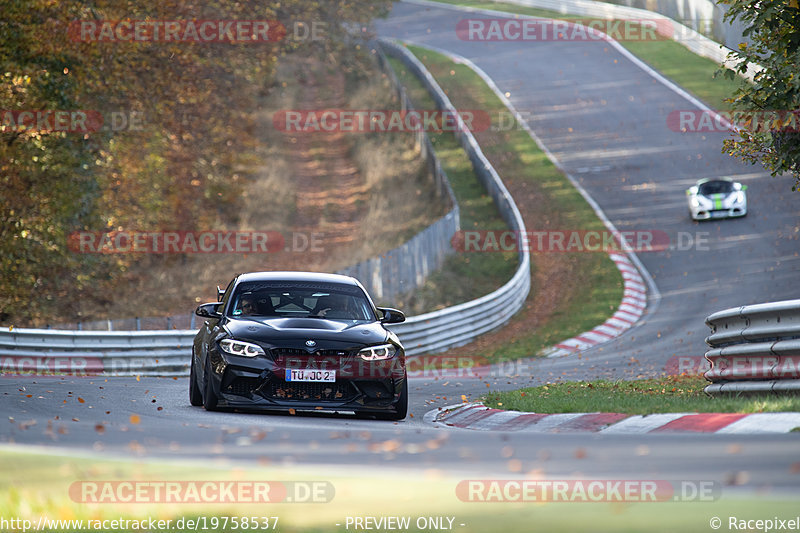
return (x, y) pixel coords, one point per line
(227, 296)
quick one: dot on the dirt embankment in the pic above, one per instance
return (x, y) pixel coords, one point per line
(334, 198)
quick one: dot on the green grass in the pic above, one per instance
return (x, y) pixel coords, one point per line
(671, 394)
(463, 277)
(595, 286)
(670, 58)
(37, 484)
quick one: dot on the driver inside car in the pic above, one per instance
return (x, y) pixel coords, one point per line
(247, 305)
(334, 306)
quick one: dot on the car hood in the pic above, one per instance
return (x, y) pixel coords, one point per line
(320, 330)
(719, 200)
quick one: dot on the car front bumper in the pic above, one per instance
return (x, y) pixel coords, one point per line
(260, 383)
(700, 213)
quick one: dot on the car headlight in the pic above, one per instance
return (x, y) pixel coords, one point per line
(695, 202)
(378, 353)
(739, 197)
(245, 349)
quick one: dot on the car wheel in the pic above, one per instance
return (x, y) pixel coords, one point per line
(195, 396)
(209, 397)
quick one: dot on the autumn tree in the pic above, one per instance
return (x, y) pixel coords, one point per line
(773, 27)
(170, 168)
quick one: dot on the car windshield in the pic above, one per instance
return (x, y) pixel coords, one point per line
(302, 300)
(715, 187)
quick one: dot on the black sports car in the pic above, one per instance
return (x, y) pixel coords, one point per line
(295, 341)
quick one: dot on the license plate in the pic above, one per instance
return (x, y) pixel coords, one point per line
(325, 376)
(719, 214)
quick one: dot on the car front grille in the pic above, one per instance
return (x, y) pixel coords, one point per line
(338, 391)
(298, 352)
(243, 386)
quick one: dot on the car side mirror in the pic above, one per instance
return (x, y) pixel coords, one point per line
(210, 310)
(391, 316)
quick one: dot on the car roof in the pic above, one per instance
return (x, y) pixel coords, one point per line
(297, 276)
(706, 180)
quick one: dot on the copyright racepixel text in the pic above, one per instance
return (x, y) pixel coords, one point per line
(765, 525)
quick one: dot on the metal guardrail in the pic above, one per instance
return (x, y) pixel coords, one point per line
(166, 353)
(755, 348)
(403, 269)
(51, 351)
(704, 16)
(688, 37)
(458, 325)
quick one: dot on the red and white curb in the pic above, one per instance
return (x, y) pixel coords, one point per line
(478, 416)
(630, 310)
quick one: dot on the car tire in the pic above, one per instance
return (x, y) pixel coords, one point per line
(209, 397)
(195, 396)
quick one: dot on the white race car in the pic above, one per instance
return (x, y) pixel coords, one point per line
(717, 198)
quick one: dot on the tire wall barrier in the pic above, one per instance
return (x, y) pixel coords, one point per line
(755, 348)
(167, 353)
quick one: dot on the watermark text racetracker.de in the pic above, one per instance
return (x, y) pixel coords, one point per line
(292, 121)
(193, 242)
(18, 365)
(430, 365)
(177, 31)
(736, 366)
(379, 120)
(552, 241)
(752, 121)
(690, 365)
(201, 491)
(77, 121)
(586, 490)
(533, 30)
(197, 31)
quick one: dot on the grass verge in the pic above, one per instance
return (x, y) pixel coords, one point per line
(34, 485)
(670, 394)
(463, 277)
(670, 58)
(570, 292)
